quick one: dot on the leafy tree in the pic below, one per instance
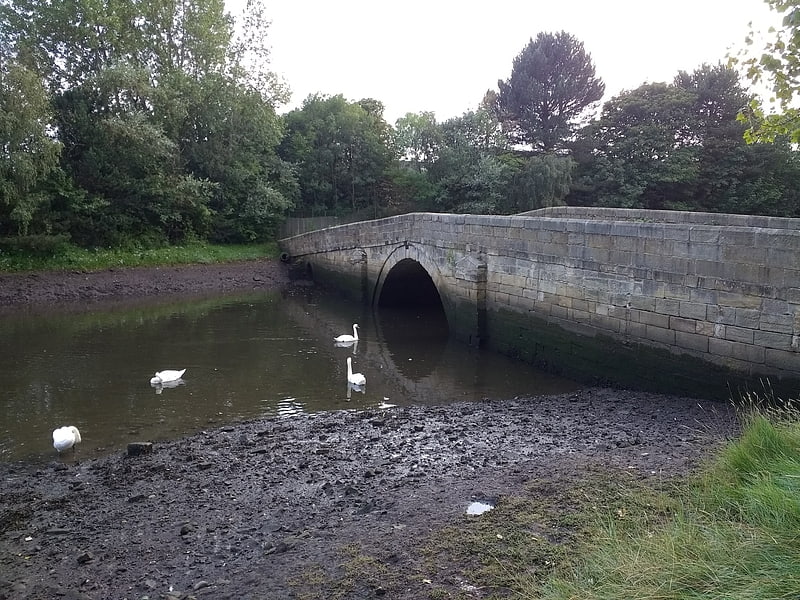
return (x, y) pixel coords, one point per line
(167, 132)
(417, 138)
(72, 41)
(779, 66)
(341, 150)
(119, 154)
(538, 181)
(28, 152)
(469, 174)
(552, 85)
(642, 150)
(679, 146)
(229, 137)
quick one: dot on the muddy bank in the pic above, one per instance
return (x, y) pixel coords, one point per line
(268, 509)
(284, 507)
(63, 290)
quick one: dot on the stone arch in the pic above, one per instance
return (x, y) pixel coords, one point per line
(418, 254)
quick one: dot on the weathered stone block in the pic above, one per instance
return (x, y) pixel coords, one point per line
(691, 341)
(683, 324)
(739, 334)
(692, 310)
(769, 339)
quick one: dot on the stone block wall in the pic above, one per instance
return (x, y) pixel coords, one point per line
(721, 288)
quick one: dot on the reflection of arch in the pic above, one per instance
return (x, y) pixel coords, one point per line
(418, 254)
(408, 288)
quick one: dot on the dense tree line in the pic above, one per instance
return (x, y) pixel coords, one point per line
(156, 122)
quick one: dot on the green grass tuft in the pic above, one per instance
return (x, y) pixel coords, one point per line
(735, 536)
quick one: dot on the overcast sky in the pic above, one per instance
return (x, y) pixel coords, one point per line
(442, 55)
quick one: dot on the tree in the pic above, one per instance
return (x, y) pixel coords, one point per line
(72, 41)
(230, 137)
(28, 152)
(416, 137)
(341, 151)
(469, 173)
(538, 181)
(643, 151)
(680, 146)
(778, 65)
(162, 123)
(552, 85)
(118, 153)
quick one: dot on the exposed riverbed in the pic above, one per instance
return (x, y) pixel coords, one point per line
(266, 508)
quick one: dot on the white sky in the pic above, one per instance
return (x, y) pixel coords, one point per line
(442, 55)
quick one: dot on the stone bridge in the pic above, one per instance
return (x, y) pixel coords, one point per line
(681, 295)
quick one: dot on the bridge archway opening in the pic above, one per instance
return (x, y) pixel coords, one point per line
(408, 285)
(412, 319)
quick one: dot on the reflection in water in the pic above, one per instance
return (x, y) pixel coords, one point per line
(160, 386)
(289, 407)
(415, 337)
(354, 387)
(249, 356)
(353, 345)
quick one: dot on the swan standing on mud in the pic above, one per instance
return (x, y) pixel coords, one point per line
(166, 376)
(65, 438)
(354, 378)
(346, 337)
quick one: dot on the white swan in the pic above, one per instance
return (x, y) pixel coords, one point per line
(345, 338)
(66, 437)
(166, 376)
(354, 378)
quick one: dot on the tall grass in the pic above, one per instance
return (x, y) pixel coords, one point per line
(735, 533)
(72, 258)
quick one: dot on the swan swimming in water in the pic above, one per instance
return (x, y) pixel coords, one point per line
(354, 378)
(65, 438)
(346, 337)
(166, 376)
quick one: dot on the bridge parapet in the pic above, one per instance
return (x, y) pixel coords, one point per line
(721, 288)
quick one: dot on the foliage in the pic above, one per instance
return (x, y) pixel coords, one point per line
(53, 253)
(679, 146)
(167, 121)
(417, 138)
(230, 136)
(538, 181)
(778, 65)
(552, 85)
(28, 152)
(470, 175)
(341, 151)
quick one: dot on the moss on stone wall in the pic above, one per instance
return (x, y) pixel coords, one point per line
(602, 360)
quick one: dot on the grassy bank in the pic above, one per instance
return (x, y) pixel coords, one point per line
(71, 258)
(731, 531)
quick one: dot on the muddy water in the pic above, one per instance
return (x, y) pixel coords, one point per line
(246, 357)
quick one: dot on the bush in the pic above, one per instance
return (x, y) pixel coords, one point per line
(35, 245)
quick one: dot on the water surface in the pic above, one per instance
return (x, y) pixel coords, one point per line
(246, 356)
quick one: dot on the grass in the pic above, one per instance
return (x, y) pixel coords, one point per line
(735, 532)
(526, 540)
(72, 258)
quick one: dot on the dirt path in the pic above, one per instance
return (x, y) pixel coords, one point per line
(288, 507)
